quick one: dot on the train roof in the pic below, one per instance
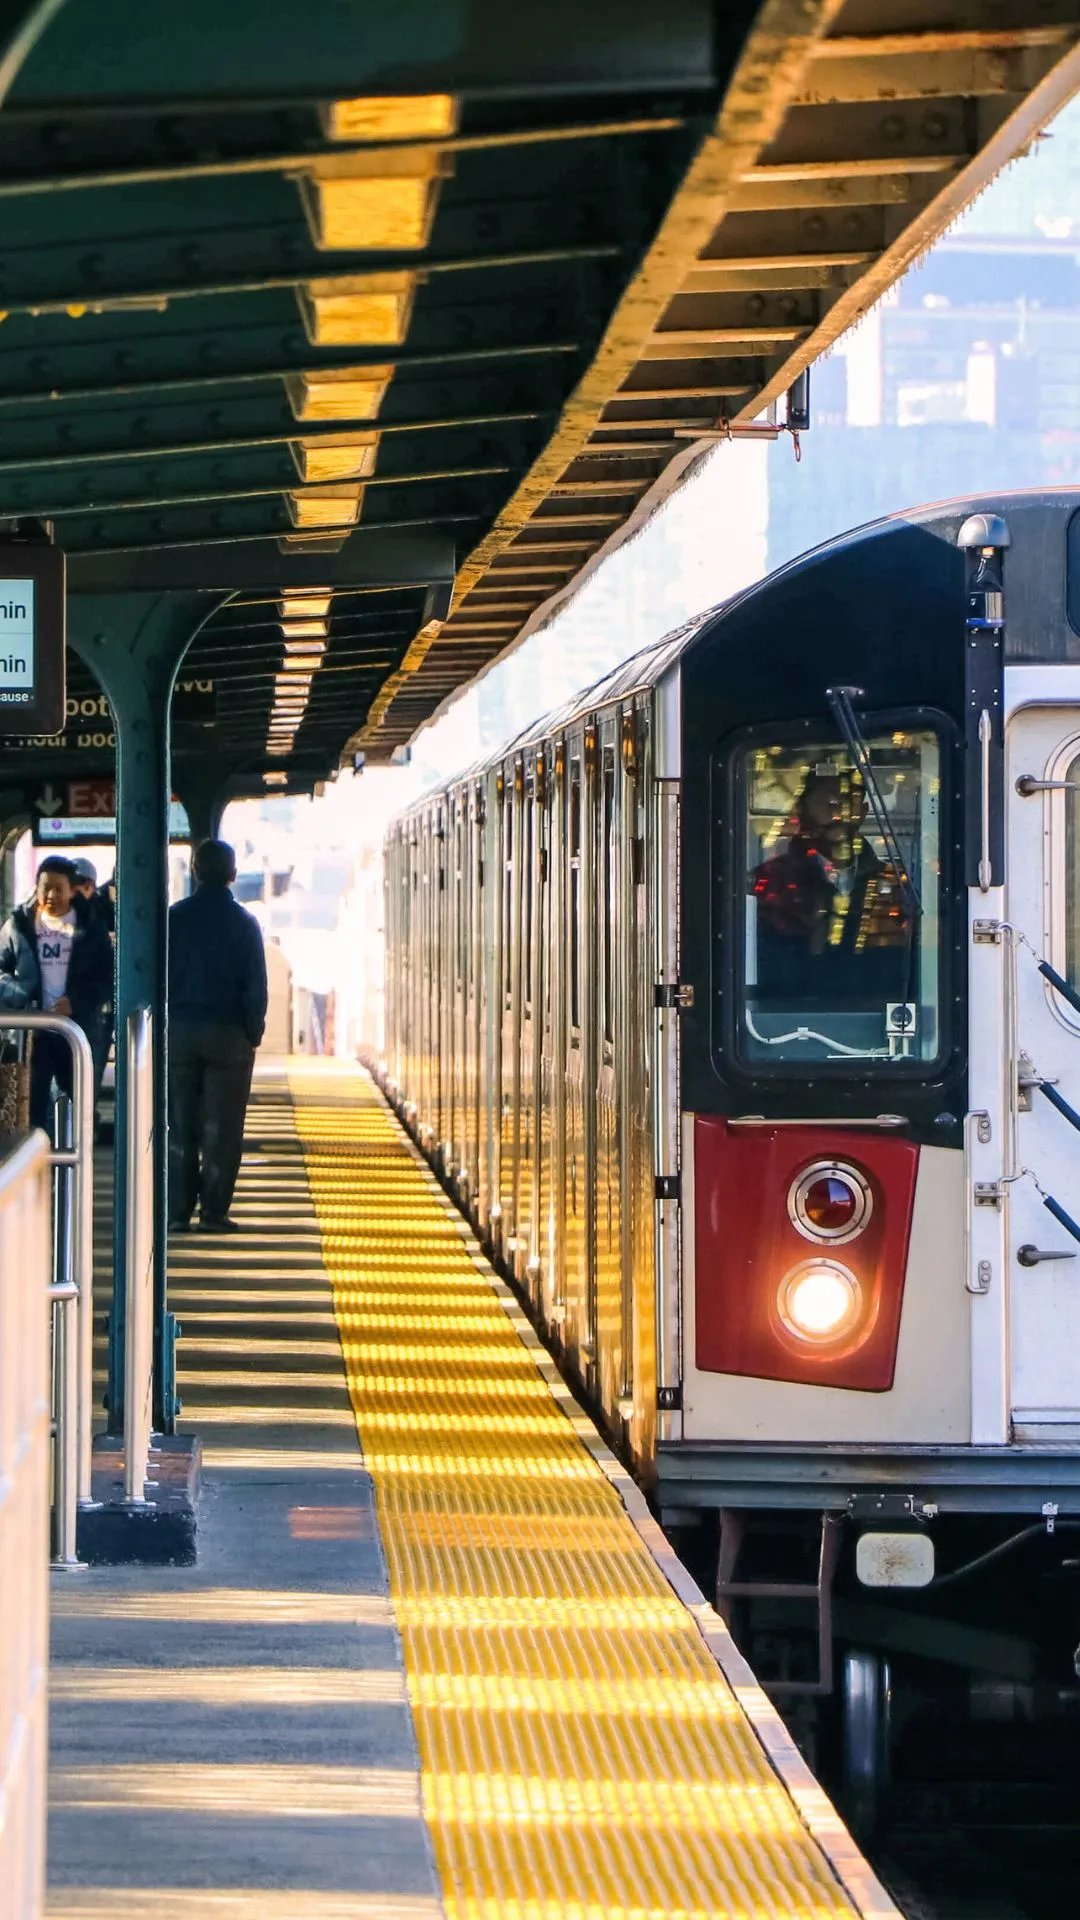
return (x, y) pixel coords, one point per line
(647, 667)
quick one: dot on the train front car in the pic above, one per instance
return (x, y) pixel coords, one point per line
(879, 1037)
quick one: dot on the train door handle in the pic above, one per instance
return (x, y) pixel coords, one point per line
(1030, 1256)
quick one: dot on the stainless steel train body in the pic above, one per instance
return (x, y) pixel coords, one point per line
(717, 999)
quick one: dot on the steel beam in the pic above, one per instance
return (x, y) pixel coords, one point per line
(140, 438)
(56, 508)
(138, 171)
(369, 558)
(115, 55)
(157, 270)
(203, 363)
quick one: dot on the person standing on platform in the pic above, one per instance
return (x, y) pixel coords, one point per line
(217, 1012)
(101, 906)
(55, 957)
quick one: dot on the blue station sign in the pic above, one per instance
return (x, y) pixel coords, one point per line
(32, 608)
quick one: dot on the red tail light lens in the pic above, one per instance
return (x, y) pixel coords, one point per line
(830, 1200)
(830, 1203)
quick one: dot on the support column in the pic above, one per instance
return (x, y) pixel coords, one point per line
(202, 789)
(133, 644)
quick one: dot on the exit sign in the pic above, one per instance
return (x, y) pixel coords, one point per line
(32, 606)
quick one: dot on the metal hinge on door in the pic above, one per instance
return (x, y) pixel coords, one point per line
(669, 993)
(667, 1186)
(988, 1193)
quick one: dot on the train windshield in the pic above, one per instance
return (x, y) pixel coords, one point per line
(840, 949)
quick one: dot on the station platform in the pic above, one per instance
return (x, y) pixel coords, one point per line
(436, 1661)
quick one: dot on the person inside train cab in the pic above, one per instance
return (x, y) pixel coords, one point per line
(217, 1014)
(825, 903)
(55, 957)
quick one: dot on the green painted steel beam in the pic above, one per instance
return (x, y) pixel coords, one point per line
(135, 169)
(93, 439)
(207, 360)
(116, 51)
(159, 267)
(368, 558)
(55, 507)
(196, 541)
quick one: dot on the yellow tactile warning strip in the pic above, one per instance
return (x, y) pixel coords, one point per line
(584, 1758)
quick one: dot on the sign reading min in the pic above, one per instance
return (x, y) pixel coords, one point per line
(31, 637)
(17, 642)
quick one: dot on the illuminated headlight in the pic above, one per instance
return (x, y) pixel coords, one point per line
(819, 1301)
(830, 1200)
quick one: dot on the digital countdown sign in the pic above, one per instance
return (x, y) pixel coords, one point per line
(32, 607)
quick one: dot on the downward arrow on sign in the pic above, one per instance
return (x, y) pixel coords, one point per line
(50, 801)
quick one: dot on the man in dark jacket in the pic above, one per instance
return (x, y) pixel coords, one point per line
(217, 1011)
(55, 957)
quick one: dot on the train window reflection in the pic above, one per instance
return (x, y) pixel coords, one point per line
(840, 952)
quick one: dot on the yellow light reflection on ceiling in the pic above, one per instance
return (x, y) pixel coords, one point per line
(582, 1752)
(344, 456)
(299, 604)
(358, 310)
(406, 116)
(381, 200)
(326, 506)
(309, 630)
(338, 393)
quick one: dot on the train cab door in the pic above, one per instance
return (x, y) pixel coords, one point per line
(1043, 911)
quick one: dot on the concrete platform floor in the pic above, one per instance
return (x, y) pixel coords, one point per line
(232, 1740)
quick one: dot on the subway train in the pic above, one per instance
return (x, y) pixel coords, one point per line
(738, 1004)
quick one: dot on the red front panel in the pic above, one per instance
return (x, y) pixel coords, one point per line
(747, 1245)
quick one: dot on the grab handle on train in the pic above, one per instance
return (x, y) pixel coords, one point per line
(1060, 985)
(1063, 1219)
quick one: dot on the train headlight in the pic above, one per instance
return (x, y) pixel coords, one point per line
(830, 1200)
(819, 1301)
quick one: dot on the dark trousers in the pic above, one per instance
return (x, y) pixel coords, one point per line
(50, 1060)
(210, 1068)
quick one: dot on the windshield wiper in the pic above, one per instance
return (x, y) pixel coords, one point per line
(843, 712)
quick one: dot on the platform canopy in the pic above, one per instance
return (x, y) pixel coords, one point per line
(375, 322)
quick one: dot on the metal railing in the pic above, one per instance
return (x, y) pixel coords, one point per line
(139, 1242)
(74, 1291)
(25, 1267)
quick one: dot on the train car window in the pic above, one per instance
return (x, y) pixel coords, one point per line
(607, 894)
(575, 894)
(840, 956)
